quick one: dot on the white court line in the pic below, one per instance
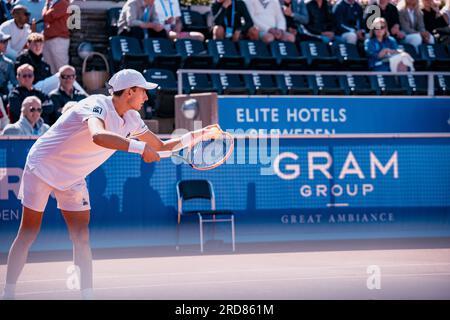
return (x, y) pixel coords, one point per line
(337, 204)
(234, 282)
(156, 274)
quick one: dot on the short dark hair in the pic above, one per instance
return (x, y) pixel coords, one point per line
(120, 92)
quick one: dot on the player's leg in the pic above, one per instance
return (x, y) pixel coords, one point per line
(78, 226)
(28, 231)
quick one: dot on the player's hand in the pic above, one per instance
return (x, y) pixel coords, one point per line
(150, 155)
(211, 132)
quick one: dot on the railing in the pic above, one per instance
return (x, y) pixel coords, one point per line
(430, 75)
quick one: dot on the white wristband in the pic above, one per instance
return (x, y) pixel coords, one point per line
(136, 146)
(186, 139)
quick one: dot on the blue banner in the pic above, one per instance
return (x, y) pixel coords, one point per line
(334, 115)
(291, 189)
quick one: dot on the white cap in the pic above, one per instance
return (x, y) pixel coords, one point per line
(128, 78)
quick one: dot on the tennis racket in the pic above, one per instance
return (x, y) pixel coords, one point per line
(205, 154)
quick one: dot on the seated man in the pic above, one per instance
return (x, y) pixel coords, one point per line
(19, 29)
(65, 93)
(321, 22)
(240, 27)
(348, 15)
(139, 17)
(35, 8)
(7, 74)
(25, 89)
(268, 17)
(169, 15)
(412, 23)
(33, 56)
(30, 122)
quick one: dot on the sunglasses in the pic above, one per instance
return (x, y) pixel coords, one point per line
(36, 109)
(67, 76)
(27, 75)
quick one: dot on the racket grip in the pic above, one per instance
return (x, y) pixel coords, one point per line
(165, 154)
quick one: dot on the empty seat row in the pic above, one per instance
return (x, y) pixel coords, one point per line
(256, 55)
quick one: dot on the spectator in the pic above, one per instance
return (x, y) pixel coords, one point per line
(321, 21)
(381, 50)
(169, 15)
(435, 22)
(224, 27)
(4, 12)
(4, 119)
(65, 93)
(348, 15)
(30, 122)
(7, 75)
(390, 13)
(35, 8)
(446, 11)
(296, 15)
(56, 33)
(33, 56)
(139, 17)
(268, 18)
(25, 89)
(411, 22)
(19, 29)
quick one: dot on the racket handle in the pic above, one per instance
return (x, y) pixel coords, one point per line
(165, 154)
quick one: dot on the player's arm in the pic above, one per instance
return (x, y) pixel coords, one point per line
(190, 138)
(111, 140)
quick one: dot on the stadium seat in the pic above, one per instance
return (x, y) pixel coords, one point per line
(201, 189)
(229, 84)
(349, 56)
(164, 95)
(414, 85)
(112, 17)
(225, 54)
(126, 52)
(256, 55)
(387, 85)
(326, 85)
(162, 54)
(287, 55)
(318, 56)
(196, 83)
(194, 21)
(193, 54)
(261, 84)
(420, 64)
(442, 85)
(357, 85)
(436, 55)
(294, 84)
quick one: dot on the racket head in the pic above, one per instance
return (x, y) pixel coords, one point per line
(211, 153)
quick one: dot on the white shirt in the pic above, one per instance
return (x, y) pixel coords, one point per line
(19, 37)
(411, 15)
(266, 14)
(166, 9)
(66, 154)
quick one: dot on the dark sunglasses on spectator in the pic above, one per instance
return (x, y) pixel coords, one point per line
(67, 76)
(27, 75)
(36, 109)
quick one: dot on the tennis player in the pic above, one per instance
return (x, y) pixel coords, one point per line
(80, 141)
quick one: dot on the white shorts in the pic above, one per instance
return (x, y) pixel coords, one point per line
(34, 193)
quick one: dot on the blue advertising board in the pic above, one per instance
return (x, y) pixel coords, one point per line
(334, 115)
(287, 189)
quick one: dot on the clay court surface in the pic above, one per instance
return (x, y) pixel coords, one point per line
(408, 270)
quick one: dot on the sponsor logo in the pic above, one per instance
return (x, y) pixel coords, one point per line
(97, 110)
